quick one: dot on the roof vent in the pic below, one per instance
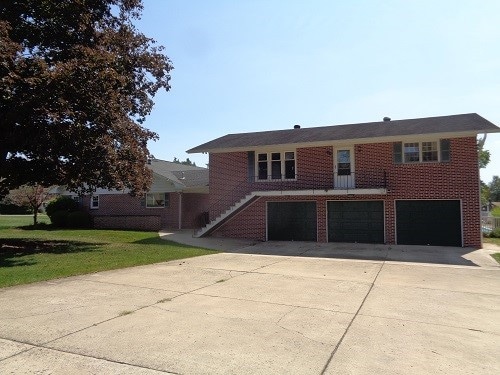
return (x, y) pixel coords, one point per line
(387, 118)
(296, 126)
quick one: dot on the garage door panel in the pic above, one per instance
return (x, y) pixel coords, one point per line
(361, 221)
(429, 222)
(291, 221)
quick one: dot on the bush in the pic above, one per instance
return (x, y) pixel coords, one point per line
(59, 219)
(78, 219)
(495, 233)
(60, 204)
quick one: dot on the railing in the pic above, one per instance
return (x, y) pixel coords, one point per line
(366, 179)
(490, 223)
(375, 179)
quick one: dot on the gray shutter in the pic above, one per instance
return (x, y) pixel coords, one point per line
(445, 150)
(143, 201)
(251, 166)
(167, 200)
(397, 148)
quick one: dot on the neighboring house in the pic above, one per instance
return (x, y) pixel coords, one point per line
(410, 181)
(176, 199)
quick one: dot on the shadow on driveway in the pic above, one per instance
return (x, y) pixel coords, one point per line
(460, 256)
(398, 253)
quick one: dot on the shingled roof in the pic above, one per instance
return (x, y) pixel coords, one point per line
(454, 125)
(181, 175)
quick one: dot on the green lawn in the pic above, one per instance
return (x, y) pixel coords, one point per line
(30, 254)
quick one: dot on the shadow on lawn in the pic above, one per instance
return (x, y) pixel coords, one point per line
(155, 240)
(13, 250)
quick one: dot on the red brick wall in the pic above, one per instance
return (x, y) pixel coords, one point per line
(457, 179)
(193, 205)
(228, 174)
(127, 212)
(251, 221)
(128, 222)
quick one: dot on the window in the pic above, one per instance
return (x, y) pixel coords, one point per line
(94, 201)
(344, 162)
(276, 166)
(411, 152)
(289, 165)
(421, 152)
(262, 166)
(429, 151)
(157, 200)
(76, 198)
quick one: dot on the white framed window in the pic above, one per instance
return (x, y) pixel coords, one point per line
(422, 152)
(276, 166)
(430, 151)
(94, 202)
(411, 152)
(157, 200)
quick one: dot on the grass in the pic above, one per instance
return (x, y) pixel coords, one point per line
(495, 241)
(30, 254)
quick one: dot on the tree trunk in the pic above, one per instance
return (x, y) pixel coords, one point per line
(35, 216)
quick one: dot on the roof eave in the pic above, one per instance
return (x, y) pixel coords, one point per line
(344, 141)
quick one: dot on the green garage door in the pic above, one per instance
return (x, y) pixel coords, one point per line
(291, 221)
(361, 221)
(432, 222)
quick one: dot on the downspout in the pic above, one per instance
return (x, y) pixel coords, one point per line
(480, 145)
(180, 210)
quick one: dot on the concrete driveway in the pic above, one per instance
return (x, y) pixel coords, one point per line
(246, 313)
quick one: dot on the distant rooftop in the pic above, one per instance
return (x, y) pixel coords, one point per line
(180, 174)
(454, 125)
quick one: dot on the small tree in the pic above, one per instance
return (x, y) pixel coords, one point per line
(32, 196)
(186, 162)
(485, 194)
(494, 186)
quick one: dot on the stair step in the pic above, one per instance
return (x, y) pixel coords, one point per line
(235, 207)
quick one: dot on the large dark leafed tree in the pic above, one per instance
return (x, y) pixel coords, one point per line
(77, 81)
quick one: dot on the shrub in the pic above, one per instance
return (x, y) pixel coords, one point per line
(60, 204)
(495, 233)
(78, 219)
(59, 219)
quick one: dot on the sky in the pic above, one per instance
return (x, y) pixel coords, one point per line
(255, 65)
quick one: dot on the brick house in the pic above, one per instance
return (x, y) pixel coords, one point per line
(176, 199)
(412, 181)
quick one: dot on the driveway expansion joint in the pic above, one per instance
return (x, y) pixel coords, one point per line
(42, 346)
(427, 323)
(352, 321)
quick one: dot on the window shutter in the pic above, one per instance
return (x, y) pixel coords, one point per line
(397, 152)
(445, 150)
(143, 201)
(167, 200)
(251, 166)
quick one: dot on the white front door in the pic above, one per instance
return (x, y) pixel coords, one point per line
(344, 168)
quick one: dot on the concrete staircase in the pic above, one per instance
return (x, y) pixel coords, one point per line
(223, 217)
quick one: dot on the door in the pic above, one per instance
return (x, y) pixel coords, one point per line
(360, 221)
(291, 221)
(429, 222)
(344, 168)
